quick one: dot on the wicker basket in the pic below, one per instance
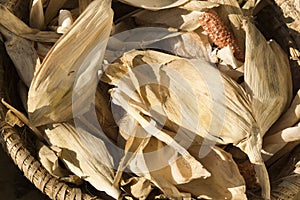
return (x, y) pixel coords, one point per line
(12, 139)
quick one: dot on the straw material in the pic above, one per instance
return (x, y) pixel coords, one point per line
(270, 143)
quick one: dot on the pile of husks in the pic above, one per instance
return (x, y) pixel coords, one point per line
(158, 99)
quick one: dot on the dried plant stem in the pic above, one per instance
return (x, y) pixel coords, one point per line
(219, 33)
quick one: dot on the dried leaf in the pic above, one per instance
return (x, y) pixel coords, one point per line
(50, 94)
(199, 5)
(156, 4)
(52, 9)
(138, 187)
(23, 54)
(36, 19)
(268, 80)
(289, 118)
(24, 119)
(163, 87)
(19, 28)
(225, 180)
(187, 75)
(65, 21)
(83, 4)
(79, 160)
(49, 160)
(179, 18)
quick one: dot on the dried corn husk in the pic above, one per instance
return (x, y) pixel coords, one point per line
(23, 54)
(50, 99)
(268, 80)
(156, 4)
(262, 78)
(187, 72)
(52, 9)
(154, 90)
(199, 5)
(49, 160)
(184, 44)
(37, 19)
(19, 28)
(65, 21)
(42, 50)
(189, 45)
(83, 4)
(150, 158)
(289, 118)
(138, 187)
(179, 18)
(80, 161)
(225, 180)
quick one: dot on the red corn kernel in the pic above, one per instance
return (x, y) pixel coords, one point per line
(219, 33)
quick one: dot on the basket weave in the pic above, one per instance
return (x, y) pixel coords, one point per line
(10, 137)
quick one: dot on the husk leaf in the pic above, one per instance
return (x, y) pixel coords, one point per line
(50, 94)
(81, 161)
(156, 4)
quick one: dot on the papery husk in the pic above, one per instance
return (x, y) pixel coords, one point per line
(83, 4)
(268, 80)
(225, 180)
(269, 85)
(23, 54)
(284, 166)
(184, 18)
(199, 5)
(138, 138)
(50, 94)
(190, 76)
(289, 118)
(52, 9)
(81, 161)
(155, 5)
(19, 28)
(161, 164)
(160, 90)
(65, 21)
(139, 38)
(284, 151)
(42, 50)
(37, 19)
(179, 18)
(138, 187)
(282, 33)
(228, 61)
(154, 160)
(50, 161)
(192, 44)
